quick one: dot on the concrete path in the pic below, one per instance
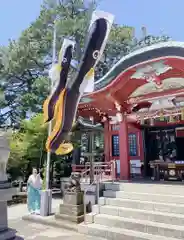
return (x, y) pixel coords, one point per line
(34, 231)
(20, 210)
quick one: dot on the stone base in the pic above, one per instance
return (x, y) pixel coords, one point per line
(3, 216)
(91, 194)
(73, 198)
(7, 193)
(7, 234)
(5, 184)
(72, 209)
(46, 203)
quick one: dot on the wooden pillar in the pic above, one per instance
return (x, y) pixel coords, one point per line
(124, 151)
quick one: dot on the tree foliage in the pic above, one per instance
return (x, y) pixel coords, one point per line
(28, 150)
(28, 146)
(24, 63)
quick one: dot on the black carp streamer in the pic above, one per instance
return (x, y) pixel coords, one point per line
(65, 101)
(58, 73)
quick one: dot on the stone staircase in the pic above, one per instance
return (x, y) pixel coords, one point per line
(135, 211)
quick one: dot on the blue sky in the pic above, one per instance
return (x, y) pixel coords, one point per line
(159, 16)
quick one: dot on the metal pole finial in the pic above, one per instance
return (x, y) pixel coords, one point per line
(144, 31)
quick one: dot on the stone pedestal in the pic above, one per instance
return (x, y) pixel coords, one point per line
(46, 203)
(72, 209)
(6, 193)
(63, 183)
(91, 194)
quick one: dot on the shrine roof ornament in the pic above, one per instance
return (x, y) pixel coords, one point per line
(86, 124)
(86, 100)
(156, 68)
(151, 87)
(118, 68)
(148, 41)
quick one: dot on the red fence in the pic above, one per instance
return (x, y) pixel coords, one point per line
(106, 170)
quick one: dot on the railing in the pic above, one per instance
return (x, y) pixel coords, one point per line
(97, 181)
(98, 170)
(107, 170)
(83, 167)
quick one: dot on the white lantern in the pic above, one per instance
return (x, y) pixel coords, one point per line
(119, 117)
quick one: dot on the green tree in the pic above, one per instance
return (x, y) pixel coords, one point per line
(17, 163)
(28, 150)
(28, 146)
(24, 63)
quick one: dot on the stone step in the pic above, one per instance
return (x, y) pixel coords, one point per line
(144, 205)
(69, 218)
(162, 217)
(115, 233)
(160, 229)
(159, 188)
(145, 196)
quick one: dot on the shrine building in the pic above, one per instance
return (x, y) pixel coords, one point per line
(140, 102)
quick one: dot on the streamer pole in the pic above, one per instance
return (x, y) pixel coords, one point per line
(46, 197)
(50, 123)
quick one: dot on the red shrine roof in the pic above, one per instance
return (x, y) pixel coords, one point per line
(138, 80)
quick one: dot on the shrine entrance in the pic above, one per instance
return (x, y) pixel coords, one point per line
(162, 144)
(143, 95)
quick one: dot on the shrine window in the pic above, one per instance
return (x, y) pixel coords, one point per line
(115, 127)
(115, 145)
(132, 141)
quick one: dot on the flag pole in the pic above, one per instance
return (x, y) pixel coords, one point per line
(50, 123)
(46, 203)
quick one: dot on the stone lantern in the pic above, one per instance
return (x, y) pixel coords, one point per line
(6, 191)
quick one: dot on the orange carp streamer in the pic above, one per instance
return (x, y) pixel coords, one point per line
(58, 118)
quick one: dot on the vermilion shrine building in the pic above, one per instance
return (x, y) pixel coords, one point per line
(141, 101)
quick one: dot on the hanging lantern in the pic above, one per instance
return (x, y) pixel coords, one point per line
(177, 118)
(171, 119)
(162, 115)
(152, 122)
(182, 114)
(119, 116)
(142, 121)
(104, 119)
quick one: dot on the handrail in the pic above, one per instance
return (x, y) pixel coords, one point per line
(98, 171)
(81, 167)
(84, 199)
(84, 173)
(111, 168)
(85, 191)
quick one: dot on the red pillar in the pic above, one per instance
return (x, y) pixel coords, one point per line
(106, 141)
(124, 151)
